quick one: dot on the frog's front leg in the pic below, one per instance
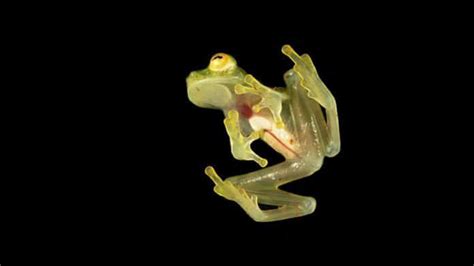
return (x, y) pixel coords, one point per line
(270, 98)
(240, 144)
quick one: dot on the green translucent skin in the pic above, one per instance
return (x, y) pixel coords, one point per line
(289, 119)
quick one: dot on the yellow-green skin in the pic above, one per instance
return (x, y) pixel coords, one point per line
(289, 119)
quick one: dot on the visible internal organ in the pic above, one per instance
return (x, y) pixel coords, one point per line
(245, 110)
(278, 138)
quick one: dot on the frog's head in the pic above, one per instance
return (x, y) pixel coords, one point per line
(213, 87)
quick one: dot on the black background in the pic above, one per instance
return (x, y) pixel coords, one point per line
(148, 145)
(123, 167)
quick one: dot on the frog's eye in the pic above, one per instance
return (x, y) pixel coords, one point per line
(222, 62)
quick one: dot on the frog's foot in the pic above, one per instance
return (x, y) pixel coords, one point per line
(310, 80)
(223, 188)
(270, 98)
(240, 144)
(235, 193)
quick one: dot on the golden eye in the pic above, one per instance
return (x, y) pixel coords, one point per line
(221, 62)
(218, 57)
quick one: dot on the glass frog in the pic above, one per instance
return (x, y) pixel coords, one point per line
(290, 120)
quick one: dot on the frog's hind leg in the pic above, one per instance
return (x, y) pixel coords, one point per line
(305, 79)
(262, 186)
(288, 204)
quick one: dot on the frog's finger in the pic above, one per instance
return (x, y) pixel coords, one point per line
(211, 173)
(233, 116)
(309, 63)
(241, 89)
(303, 64)
(254, 202)
(253, 156)
(251, 80)
(288, 51)
(259, 160)
(274, 105)
(256, 84)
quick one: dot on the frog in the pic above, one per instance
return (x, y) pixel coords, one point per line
(298, 120)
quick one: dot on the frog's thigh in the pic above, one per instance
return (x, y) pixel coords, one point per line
(274, 176)
(276, 197)
(289, 205)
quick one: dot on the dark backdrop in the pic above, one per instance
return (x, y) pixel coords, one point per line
(125, 161)
(147, 145)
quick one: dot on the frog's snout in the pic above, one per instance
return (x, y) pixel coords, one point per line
(209, 95)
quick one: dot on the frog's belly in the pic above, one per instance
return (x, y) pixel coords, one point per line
(278, 138)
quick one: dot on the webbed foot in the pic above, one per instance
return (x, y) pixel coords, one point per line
(310, 80)
(235, 193)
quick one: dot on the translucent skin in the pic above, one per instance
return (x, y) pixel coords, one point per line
(290, 120)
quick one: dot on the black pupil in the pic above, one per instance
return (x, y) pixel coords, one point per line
(217, 57)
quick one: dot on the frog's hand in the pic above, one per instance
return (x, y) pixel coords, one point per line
(310, 81)
(270, 98)
(240, 144)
